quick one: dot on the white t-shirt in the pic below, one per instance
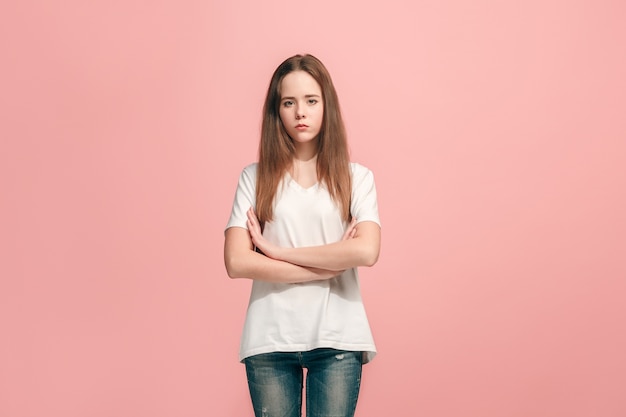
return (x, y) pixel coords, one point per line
(305, 316)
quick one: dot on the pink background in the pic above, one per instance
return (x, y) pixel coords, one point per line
(497, 133)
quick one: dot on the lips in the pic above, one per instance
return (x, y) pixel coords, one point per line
(301, 125)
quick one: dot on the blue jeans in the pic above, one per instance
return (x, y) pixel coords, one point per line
(332, 383)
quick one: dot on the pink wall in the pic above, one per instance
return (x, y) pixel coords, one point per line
(497, 134)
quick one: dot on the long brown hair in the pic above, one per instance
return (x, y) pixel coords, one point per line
(276, 149)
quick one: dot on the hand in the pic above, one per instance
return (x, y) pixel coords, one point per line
(350, 231)
(254, 228)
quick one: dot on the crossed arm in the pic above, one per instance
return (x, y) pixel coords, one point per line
(359, 246)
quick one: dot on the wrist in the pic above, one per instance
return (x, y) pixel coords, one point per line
(278, 253)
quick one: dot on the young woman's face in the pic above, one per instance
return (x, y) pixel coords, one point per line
(301, 106)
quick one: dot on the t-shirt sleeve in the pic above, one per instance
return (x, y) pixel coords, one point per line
(364, 205)
(245, 197)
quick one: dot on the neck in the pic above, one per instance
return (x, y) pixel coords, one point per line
(305, 152)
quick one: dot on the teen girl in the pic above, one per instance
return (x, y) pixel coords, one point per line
(304, 218)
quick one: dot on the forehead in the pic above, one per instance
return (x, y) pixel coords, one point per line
(299, 83)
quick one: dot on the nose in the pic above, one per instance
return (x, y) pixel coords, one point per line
(300, 113)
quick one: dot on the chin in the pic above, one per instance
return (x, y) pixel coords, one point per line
(304, 140)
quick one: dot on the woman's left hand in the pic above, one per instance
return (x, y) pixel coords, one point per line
(254, 228)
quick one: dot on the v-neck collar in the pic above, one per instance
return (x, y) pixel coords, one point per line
(295, 183)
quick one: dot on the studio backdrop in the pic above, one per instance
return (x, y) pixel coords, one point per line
(497, 137)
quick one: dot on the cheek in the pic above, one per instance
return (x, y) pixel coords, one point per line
(320, 114)
(320, 110)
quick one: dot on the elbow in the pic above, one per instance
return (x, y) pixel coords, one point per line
(232, 268)
(369, 244)
(370, 257)
(371, 261)
(230, 271)
(231, 274)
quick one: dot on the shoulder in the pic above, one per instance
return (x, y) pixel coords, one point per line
(251, 168)
(359, 171)
(247, 178)
(363, 205)
(249, 171)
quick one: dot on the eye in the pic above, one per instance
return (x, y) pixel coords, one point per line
(313, 101)
(287, 103)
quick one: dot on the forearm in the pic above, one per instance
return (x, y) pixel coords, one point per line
(259, 267)
(242, 261)
(335, 256)
(359, 248)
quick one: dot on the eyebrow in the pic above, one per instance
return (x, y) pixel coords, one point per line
(306, 96)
